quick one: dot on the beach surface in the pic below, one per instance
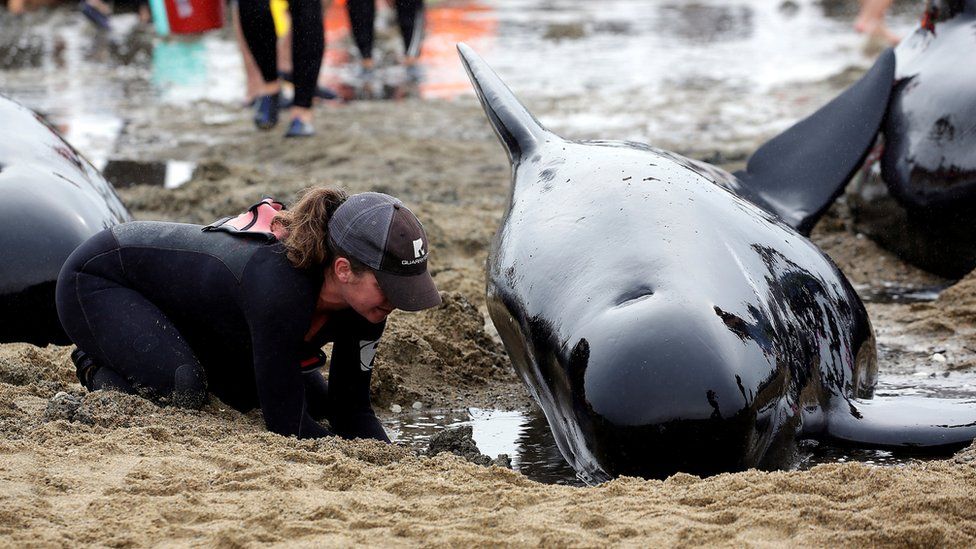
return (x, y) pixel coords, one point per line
(109, 469)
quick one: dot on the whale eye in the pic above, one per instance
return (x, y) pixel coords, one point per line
(634, 296)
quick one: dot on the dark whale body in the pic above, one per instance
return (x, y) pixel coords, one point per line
(666, 319)
(52, 201)
(917, 194)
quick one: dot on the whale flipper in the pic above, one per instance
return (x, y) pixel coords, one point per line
(517, 129)
(904, 422)
(800, 172)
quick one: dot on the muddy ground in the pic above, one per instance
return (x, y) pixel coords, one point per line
(116, 470)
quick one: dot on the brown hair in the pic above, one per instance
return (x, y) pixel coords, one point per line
(307, 227)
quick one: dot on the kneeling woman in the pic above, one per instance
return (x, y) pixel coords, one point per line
(171, 310)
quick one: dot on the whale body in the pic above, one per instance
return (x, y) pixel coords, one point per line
(916, 195)
(667, 316)
(51, 200)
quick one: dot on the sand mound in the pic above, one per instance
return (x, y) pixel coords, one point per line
(440, 357)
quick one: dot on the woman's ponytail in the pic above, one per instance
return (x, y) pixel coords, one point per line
(307, 226)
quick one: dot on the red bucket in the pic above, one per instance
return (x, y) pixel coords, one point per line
(194, 16)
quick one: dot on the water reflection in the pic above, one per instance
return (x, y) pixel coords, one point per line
(169, 175)
(702, 23)
(524, 436)
(656, 70)
(888, 292)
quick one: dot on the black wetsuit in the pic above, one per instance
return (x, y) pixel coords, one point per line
(410, 17)
(307, 43)
(171, 310)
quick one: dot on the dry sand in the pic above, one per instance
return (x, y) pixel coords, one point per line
(117, 470)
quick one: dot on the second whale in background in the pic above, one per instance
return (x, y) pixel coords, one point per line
(916, 195)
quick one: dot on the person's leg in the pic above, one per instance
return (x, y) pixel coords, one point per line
(122, 333)
(362, 15)
(308, 45)
(285, 46)
(251, 71)
(871, 20)
(257, 26)
(410, 16)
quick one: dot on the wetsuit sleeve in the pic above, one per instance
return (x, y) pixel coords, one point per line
(351, 413)
(279, 311)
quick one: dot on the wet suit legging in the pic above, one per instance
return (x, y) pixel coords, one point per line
(307, 43)
(410, 17)
(139, 349)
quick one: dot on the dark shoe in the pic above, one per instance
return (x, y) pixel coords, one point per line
(300, 129)
(415, 74)
(266, 111)
(98, 18)
(326, 93)
(85, 367)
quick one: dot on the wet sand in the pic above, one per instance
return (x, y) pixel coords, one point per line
(116, 470)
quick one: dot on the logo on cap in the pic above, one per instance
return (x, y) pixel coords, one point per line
(418, 248)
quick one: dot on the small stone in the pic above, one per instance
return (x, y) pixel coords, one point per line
(62, 406)
(502, 461)
(458, 441)
(395, 408)
(938, 357)
(417, 405)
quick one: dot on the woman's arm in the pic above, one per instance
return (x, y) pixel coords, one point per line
(351, 413)
(278, 305)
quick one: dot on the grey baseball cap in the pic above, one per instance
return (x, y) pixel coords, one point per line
(379, 231)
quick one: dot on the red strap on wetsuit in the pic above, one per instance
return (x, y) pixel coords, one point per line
(313, 363)
(255, 221)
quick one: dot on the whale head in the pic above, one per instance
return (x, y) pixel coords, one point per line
(640, 300)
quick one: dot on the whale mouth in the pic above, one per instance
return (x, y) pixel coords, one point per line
(634, 297)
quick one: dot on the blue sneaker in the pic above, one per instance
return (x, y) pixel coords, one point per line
(298, 128)
(266, 111)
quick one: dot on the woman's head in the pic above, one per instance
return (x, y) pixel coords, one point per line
(372, 240)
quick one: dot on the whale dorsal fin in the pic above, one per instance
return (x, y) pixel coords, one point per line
(800, 172)
(517, 129)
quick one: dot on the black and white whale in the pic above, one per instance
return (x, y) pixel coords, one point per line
(917, 193)
(51, 200)
(665, 315)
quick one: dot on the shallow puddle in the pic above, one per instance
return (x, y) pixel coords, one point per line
(889, 292)
(169, 175)
(525, 436)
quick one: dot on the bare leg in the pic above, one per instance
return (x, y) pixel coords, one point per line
(284, 52)
(871, 20)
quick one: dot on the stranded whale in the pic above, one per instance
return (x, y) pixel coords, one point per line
(53, 200)
(666, 320)
(917, 193)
